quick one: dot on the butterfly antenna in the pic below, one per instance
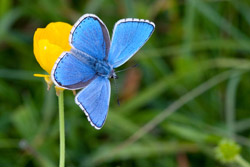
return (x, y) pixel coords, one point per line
(116, 91)
(127, 68)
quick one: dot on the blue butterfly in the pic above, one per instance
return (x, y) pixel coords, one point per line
(92, 60)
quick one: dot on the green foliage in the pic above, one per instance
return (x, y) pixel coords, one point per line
(191, 88)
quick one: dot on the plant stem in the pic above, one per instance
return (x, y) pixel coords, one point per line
(242, 162)
(231, 102)
(61, 126)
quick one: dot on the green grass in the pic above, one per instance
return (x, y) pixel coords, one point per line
(192, 87)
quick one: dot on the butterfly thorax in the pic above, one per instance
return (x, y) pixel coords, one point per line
(101, 67)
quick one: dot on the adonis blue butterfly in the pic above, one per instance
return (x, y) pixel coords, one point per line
(93, 58)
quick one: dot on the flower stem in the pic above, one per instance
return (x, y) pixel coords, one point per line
(61, 126)
(242, 162)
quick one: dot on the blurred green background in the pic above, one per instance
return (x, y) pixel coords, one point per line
(191, 89)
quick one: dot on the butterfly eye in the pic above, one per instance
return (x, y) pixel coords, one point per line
(114, 76)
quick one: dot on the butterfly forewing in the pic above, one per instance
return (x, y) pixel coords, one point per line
(129, 35)
(90, 36)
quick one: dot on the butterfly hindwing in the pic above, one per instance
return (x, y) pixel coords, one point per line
(90, 36)
(94, 101)
(129, 35)
(71, 73)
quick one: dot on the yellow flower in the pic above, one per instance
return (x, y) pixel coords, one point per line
(49, 43)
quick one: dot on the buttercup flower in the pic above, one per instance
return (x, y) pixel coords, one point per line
(49, 43)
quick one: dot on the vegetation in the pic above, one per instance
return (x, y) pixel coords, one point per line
(188, 96)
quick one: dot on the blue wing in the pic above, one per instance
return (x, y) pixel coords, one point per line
(90, 35)
(71, 73)
(129, 35)
(94, 101)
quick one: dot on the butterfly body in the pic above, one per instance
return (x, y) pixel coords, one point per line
(101, 67)
(93, 59)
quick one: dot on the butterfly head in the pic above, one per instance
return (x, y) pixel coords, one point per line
(113, 75)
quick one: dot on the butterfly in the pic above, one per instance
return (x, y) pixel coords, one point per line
(92, 60)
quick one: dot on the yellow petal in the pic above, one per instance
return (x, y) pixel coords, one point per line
(50, 42)
(58, 34)
(51, 52)
(37, 37)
